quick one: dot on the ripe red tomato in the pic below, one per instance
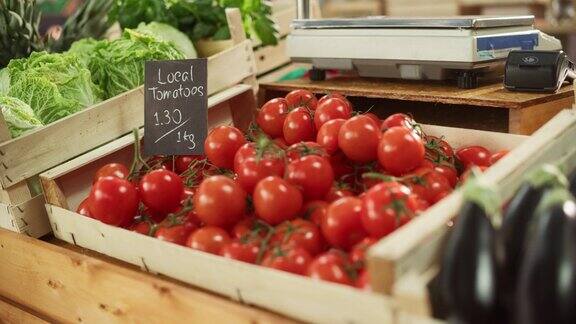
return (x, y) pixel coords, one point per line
(142, 227)
(342, 226)
(251, 170)
(384, 207)
(276, 201)
(332, 267)
(338, 191)
(117, 170)
(84, 208)
(341, 165)
(327, 135)
(438, 150)
(161, 190)
(220, 201)
(398, 119)
(358, 252)
(363, 281)
(315, 211)
(335, 95)
(221, 145)
(294, 260)
(281, 143)
(298, 150)
(237, 250)
(209, 239)
(299, 98)
(497, 156)
(374, 118)
(428, 184)
(312, 174)
(299, 233)
(400, 151)
(298, 127)
(449, 173)
(174, 231)
(250, 230)
(473, 155)
(272, 115)
(332, 108)
(113, 201)
(160, 162)
(184, 162)
(358, 139)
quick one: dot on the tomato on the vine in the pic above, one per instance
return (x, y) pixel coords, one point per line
(272, 115)
(175, 229)
(250, 229)
(161, 190)
(327, 135)
(301, 97)
(221, 145)
(312, 174)
(337, 96)
(400, 150)
(474, 155)
(210, 239)
(294, 260)
(220, 201)
(113, 201)
(449, 173)
(498, 155)
(342, 225)
(298, 150)
(341, 165)
(358, 252)
(117, 170)
(276, 200)
(333, 267)
(84, 208)
(428, 184)
(338, 191)
(385, 207)
(184, 162)
(398, 119)
(374, 118)
(330, 109)
(315, 211)
(142, 227)
(298, 126)
(438, 150)
(251, 166)
(299, 233)
(241, 251)
(358, 139)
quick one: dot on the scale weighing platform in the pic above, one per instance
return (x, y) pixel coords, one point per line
(462, 48)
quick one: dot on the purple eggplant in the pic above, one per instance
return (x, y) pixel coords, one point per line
(547, 284)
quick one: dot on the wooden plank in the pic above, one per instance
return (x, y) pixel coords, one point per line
(487, 95)
(12, 314)
(528, 120)
(238, 36)
(70, 287)
(269, 58)
(29, 217)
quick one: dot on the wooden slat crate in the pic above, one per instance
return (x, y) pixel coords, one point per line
(408, 259)
(295, 296)
(23, 158)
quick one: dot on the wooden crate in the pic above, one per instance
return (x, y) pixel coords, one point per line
(406, 261)
(23, 158)
(295, 296)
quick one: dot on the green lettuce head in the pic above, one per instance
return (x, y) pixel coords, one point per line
(18, 116)
(167, 33)
(118, 66)
(54, 85)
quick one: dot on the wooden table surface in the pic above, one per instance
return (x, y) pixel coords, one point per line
(489, 94)
(51, 281)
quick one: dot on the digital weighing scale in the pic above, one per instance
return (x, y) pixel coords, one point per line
(461, 48)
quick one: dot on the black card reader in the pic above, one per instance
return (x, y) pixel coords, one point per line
(537, 71)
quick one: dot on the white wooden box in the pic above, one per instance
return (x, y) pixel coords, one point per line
(409, 258)
(295, 296)
(23, 158)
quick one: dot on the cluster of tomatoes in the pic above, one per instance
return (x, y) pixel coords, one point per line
(307, 189)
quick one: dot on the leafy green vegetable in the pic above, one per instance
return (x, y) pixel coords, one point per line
(18, 115)
(4, 81)
(199, 19)
(84, 49)
(168, 33)
(54, 85)
(118, 66)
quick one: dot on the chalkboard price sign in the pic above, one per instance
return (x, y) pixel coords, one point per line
(176, 107)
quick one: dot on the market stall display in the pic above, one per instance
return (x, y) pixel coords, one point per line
(68, 186)
(96, 124)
